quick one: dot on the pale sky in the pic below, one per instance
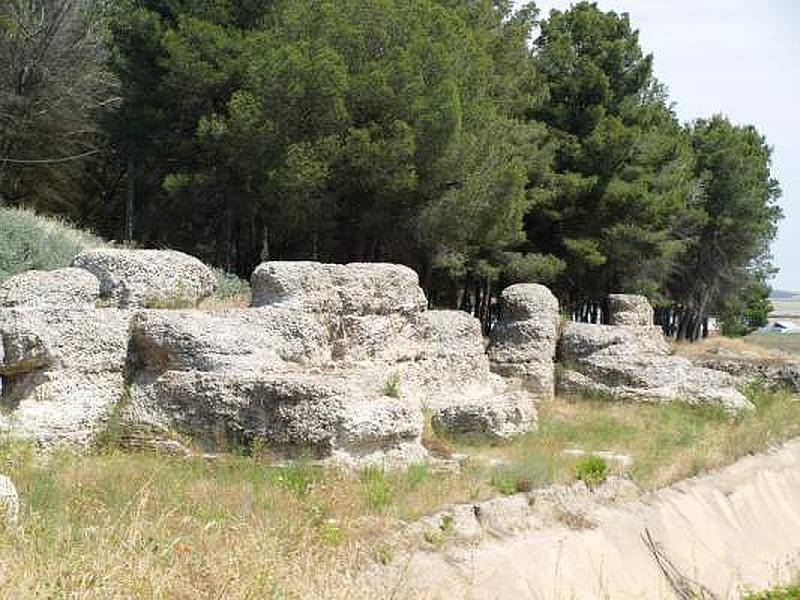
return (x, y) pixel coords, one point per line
(739, 58)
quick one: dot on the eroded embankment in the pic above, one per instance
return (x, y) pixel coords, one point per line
(734, 530)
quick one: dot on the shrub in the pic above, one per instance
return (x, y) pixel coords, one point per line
(230, 286)
(592, 470)
(30, 241)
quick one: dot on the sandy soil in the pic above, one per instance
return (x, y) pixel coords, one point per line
(734, 530)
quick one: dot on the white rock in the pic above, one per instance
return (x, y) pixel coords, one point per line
(523, 343)
(352, 289)
(240, 339)
(62, 371)
(62, 288)
(633, 363)
(629, 309)
(134, 278)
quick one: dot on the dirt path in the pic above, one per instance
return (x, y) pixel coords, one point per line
(733, 530)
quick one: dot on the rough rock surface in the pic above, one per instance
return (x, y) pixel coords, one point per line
(775, 373)
(62, 371)
(633, 363)
(352, 289)
(629, 309)
(339, 361)
(323, 415)
(132, 278)
(9, 502)
(62, 288)
(240, 339)
(285, 378)
(523, 344)
(503, 417)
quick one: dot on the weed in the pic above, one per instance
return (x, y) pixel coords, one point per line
(592, 470)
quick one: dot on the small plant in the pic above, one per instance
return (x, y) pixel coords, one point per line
(433, 537)
(384, 555)
(447, 524)
(592, 470)
(392, 386)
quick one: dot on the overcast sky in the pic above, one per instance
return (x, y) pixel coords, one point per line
(739, 58)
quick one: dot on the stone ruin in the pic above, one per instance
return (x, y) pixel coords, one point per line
(339, 362)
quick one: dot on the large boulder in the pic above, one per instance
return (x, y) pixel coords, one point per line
(352, 289)
(62, 371)
(506, 415)
(523, 343)
(62, 288)
(777, 373)
(581, 340)
(255, 339)
(155, 278)
(629, 309)
(633, 363)
(318, 415)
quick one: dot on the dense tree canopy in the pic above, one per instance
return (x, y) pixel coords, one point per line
(477, 144)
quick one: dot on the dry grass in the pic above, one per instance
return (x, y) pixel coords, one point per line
(747, 347)
(115, 525)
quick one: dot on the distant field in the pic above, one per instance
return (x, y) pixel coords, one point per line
(786, 342)
(786, 307)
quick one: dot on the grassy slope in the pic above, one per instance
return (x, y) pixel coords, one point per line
(30, 241)
(146, 526)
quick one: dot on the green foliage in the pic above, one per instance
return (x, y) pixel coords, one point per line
(791, 592)
(30, 241)
(592, 470)
(425, 132)
(746, 311)
(727, 265)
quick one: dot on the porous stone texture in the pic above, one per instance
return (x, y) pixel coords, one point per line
(352, 289)
(629, 309)
(337, 362)
(319, 415)
(775, 373)
(62, 288)
(240, 339)
(134, 278)
(523, 343)
(633, 363)
(292, 381)
(61, 370)
(504, 417)
(9, 502)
